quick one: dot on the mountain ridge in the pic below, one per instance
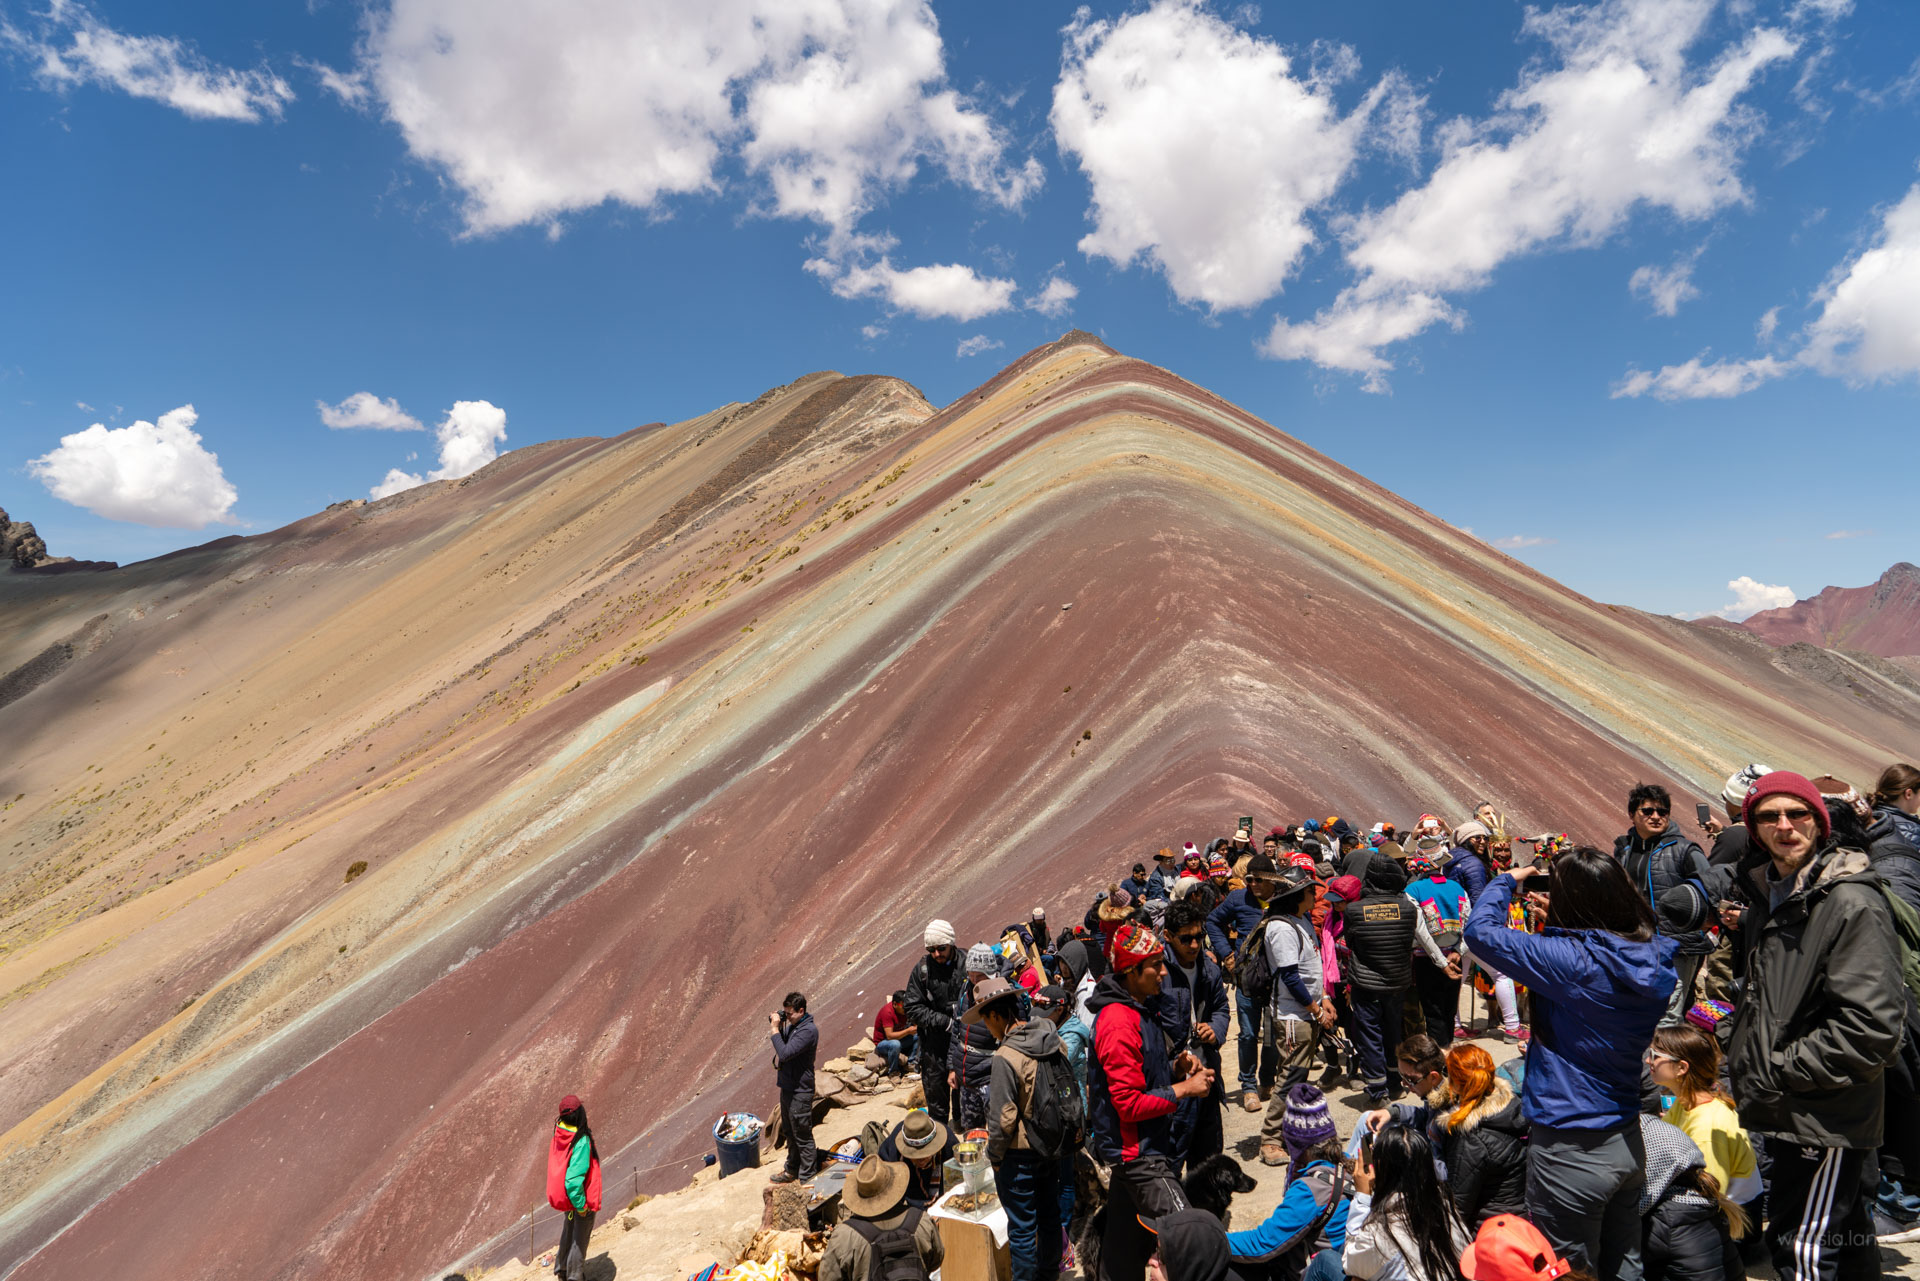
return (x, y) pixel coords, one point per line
(1880, 618)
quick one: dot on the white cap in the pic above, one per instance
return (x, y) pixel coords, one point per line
(1735, 792)
(939, 934)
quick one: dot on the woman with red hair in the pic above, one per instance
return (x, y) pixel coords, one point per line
(1482, 1136)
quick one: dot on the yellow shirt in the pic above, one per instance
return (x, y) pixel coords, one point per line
(1715, 1129)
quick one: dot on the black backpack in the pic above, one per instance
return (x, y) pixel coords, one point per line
(891, 1253)
(1253, 971)
(1056, 1119)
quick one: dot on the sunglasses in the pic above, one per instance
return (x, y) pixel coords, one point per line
(1654, 1056)
(1651, 810)
(1767, 818)
(1188, 939)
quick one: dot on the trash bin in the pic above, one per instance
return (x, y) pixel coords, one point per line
(736, 1140)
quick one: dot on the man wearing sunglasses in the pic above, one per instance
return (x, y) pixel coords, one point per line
(1820, 1021)
(1660, 862)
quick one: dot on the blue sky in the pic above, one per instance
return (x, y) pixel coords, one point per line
(1631, 288)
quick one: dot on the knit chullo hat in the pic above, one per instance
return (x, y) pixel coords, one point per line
(1131, 945)
(1306, 1122)
(938, 934)
(982, 958)
(1735, 792)
(1783, 782)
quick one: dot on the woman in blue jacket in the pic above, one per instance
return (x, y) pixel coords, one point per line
(1600, 976)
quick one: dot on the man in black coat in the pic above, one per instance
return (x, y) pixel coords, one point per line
(795, 1040)
(1382, 926)
(1193, 1013)
(1822, 1018)
(931, 991)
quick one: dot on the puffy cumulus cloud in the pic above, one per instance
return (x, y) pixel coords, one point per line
(830, 102)
(364, 409)
(1750, 596)
(975, 345)
(1622, 114)
(144, 473)
(1205, 148)
(1055, 298)
(68, 46)
(1700, 379)
(948, 291)
(1868, 328)
(470, 437)
(1666, 287)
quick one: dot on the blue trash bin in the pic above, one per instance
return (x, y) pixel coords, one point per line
(736, 1142)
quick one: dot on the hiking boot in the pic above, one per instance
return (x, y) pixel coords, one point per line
(1250, 1100)
(785, 1176)
(1272, 1154)
(1266, 1091)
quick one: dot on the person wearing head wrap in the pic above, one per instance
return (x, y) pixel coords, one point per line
(932, 989)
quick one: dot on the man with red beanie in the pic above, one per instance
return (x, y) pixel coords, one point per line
(1133, 1088)
(1821, 1019)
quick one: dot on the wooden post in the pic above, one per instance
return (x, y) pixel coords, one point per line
(530, 1255)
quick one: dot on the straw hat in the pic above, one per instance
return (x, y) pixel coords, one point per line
(875, 1188)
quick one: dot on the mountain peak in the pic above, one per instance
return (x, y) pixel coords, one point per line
(1881, 618)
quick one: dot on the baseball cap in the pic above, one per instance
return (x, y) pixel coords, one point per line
(1508, 1248)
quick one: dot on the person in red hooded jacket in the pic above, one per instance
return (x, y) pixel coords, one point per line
(573, 1185)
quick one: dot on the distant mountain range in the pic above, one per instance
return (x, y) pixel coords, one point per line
(1881, 618)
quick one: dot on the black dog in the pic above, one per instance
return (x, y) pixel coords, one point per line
(1211, 1184)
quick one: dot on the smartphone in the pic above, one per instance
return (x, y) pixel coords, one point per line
(1703, 812)
(1366, 1150)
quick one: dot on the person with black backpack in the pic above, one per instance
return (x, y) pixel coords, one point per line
(881, 1238)
(1034, 1117)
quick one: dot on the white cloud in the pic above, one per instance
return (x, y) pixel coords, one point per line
(1848, 533)
(1204, 149)
(1666, 287)
(950, 290)
(364, 409)
(1750, 596)
(350, 87)
(975, 345)
(1618, 118)
(1700, 380)
(1868, 328)
(68, 46)
(829, 102)
(1769, 322)
(1515, 542)
(470, 437)
(145, 473)
(1055, 298)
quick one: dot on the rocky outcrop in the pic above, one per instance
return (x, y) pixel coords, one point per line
(20, 543)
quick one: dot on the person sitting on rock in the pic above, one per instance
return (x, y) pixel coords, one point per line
(877, 1223)
(895, 1039)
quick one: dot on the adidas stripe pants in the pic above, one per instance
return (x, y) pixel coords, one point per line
(1819, 1225)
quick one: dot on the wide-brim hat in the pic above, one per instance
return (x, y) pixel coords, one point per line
(921, 1135)
(875, 1188)
(984, 993)
(1294, 881)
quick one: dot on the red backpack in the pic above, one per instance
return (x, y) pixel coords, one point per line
(558, 1155)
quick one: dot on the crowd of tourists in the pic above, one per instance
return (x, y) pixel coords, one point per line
(1716, 1054)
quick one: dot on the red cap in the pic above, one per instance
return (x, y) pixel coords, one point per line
(569, 1104)
(1347, 887)
(1511, 1249)
(1784, 782)
(1131, 945)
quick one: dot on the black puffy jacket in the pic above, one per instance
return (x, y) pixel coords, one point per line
(1890, 850)
(931, 991)
(1486, 1154)
(1380, 926)
(1683, 1234)
(1654, 869)
(1824, 1009)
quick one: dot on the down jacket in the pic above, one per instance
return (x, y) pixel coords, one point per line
(1485, 1154)
(1824, 1008)
(1891, 849)
(1683, 1234)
